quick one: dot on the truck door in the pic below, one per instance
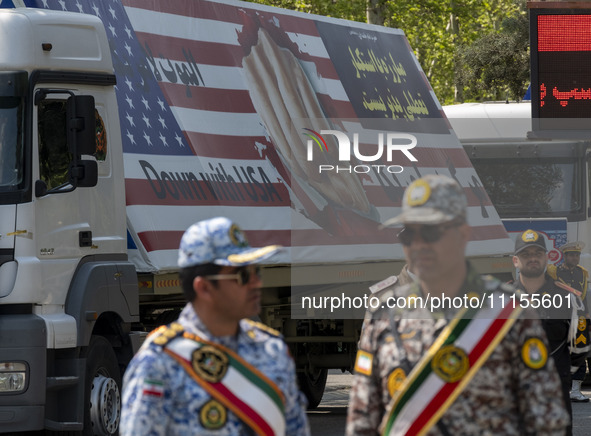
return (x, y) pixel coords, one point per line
(65, 214)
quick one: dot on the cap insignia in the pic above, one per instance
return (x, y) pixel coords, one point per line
(529, 236)
(418, 193)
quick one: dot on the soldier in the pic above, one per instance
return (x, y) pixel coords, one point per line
(575, 276)
(531, 259)
(437, 369)
(214, 371)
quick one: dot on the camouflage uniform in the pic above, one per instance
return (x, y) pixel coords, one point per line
(505, 397)
(160, 398)
(170, 384)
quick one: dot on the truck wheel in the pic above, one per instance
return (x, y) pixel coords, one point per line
(312, 384)
(103, 387)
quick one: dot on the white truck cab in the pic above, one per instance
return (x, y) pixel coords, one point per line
(68, 292)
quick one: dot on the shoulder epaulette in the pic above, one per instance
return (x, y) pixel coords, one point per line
(390, 281)
(491, 283)
(164, 334)
(585, 272)
(552, 271)
(263, 327)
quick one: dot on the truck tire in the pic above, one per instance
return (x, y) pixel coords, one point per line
(312, 384)
(103, 389)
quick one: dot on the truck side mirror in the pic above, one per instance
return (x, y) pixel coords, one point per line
(84, 173)
(81, 125)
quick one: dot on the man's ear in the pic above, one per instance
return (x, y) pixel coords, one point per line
(202, 288)
(515, 260)
(466, 232)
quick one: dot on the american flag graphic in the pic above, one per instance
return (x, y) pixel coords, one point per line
(196, 147)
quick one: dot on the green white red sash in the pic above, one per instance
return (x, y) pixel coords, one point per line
(466, 342)
(242, 388)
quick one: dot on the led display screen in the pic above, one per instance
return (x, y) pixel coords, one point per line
(561, 68)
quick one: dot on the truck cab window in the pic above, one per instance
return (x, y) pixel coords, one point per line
(541, 186)
(101, 138)
(11, 143)
(54, 156)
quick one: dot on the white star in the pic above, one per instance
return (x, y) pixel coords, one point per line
(163, 139)
(161, 103)
(129, 83)
(96, 10)
(79, 6)
(129, 101)
(45, 4)
(128, 31)
(128, 48)
(63, 5)
(146, 120)
(130, 136)
(147, 138)
(112, 11)
(146, 103)
(162, 122)
(130, 119)
(112, 29)
(179, 140)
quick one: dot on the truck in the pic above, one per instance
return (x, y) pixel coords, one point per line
(537, 183)
(124, 122)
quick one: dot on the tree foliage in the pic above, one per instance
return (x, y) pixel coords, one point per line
(496, 66)
(442, 34)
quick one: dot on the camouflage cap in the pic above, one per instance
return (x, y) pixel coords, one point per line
(573, 246)
(432, 199)
(529, 238)
(219, 241)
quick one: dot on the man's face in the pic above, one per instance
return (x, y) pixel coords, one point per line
(233, 301)
(434, 250)
(572, 258)
(531, 261)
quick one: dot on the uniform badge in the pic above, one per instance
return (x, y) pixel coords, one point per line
(396, 380)
(450, 363)
(213, 415)
(529, 236)
(209, 363)
(364, 362)
(237, 237)
(534, 353)
(418, 193)
(153, 388)
(582, 324)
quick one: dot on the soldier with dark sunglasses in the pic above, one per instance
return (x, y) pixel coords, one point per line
(469, 369)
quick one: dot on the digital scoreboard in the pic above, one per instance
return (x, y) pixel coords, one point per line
(560, 44)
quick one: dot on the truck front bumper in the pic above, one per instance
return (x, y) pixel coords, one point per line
(23, 341)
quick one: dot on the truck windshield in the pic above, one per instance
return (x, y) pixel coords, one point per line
(11, 143)
(528, 187)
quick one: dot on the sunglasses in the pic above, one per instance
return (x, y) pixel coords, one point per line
(428, 234)
(243, 275)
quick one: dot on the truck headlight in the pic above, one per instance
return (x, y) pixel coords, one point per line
(13, 376)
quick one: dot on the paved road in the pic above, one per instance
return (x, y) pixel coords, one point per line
(329, 418)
